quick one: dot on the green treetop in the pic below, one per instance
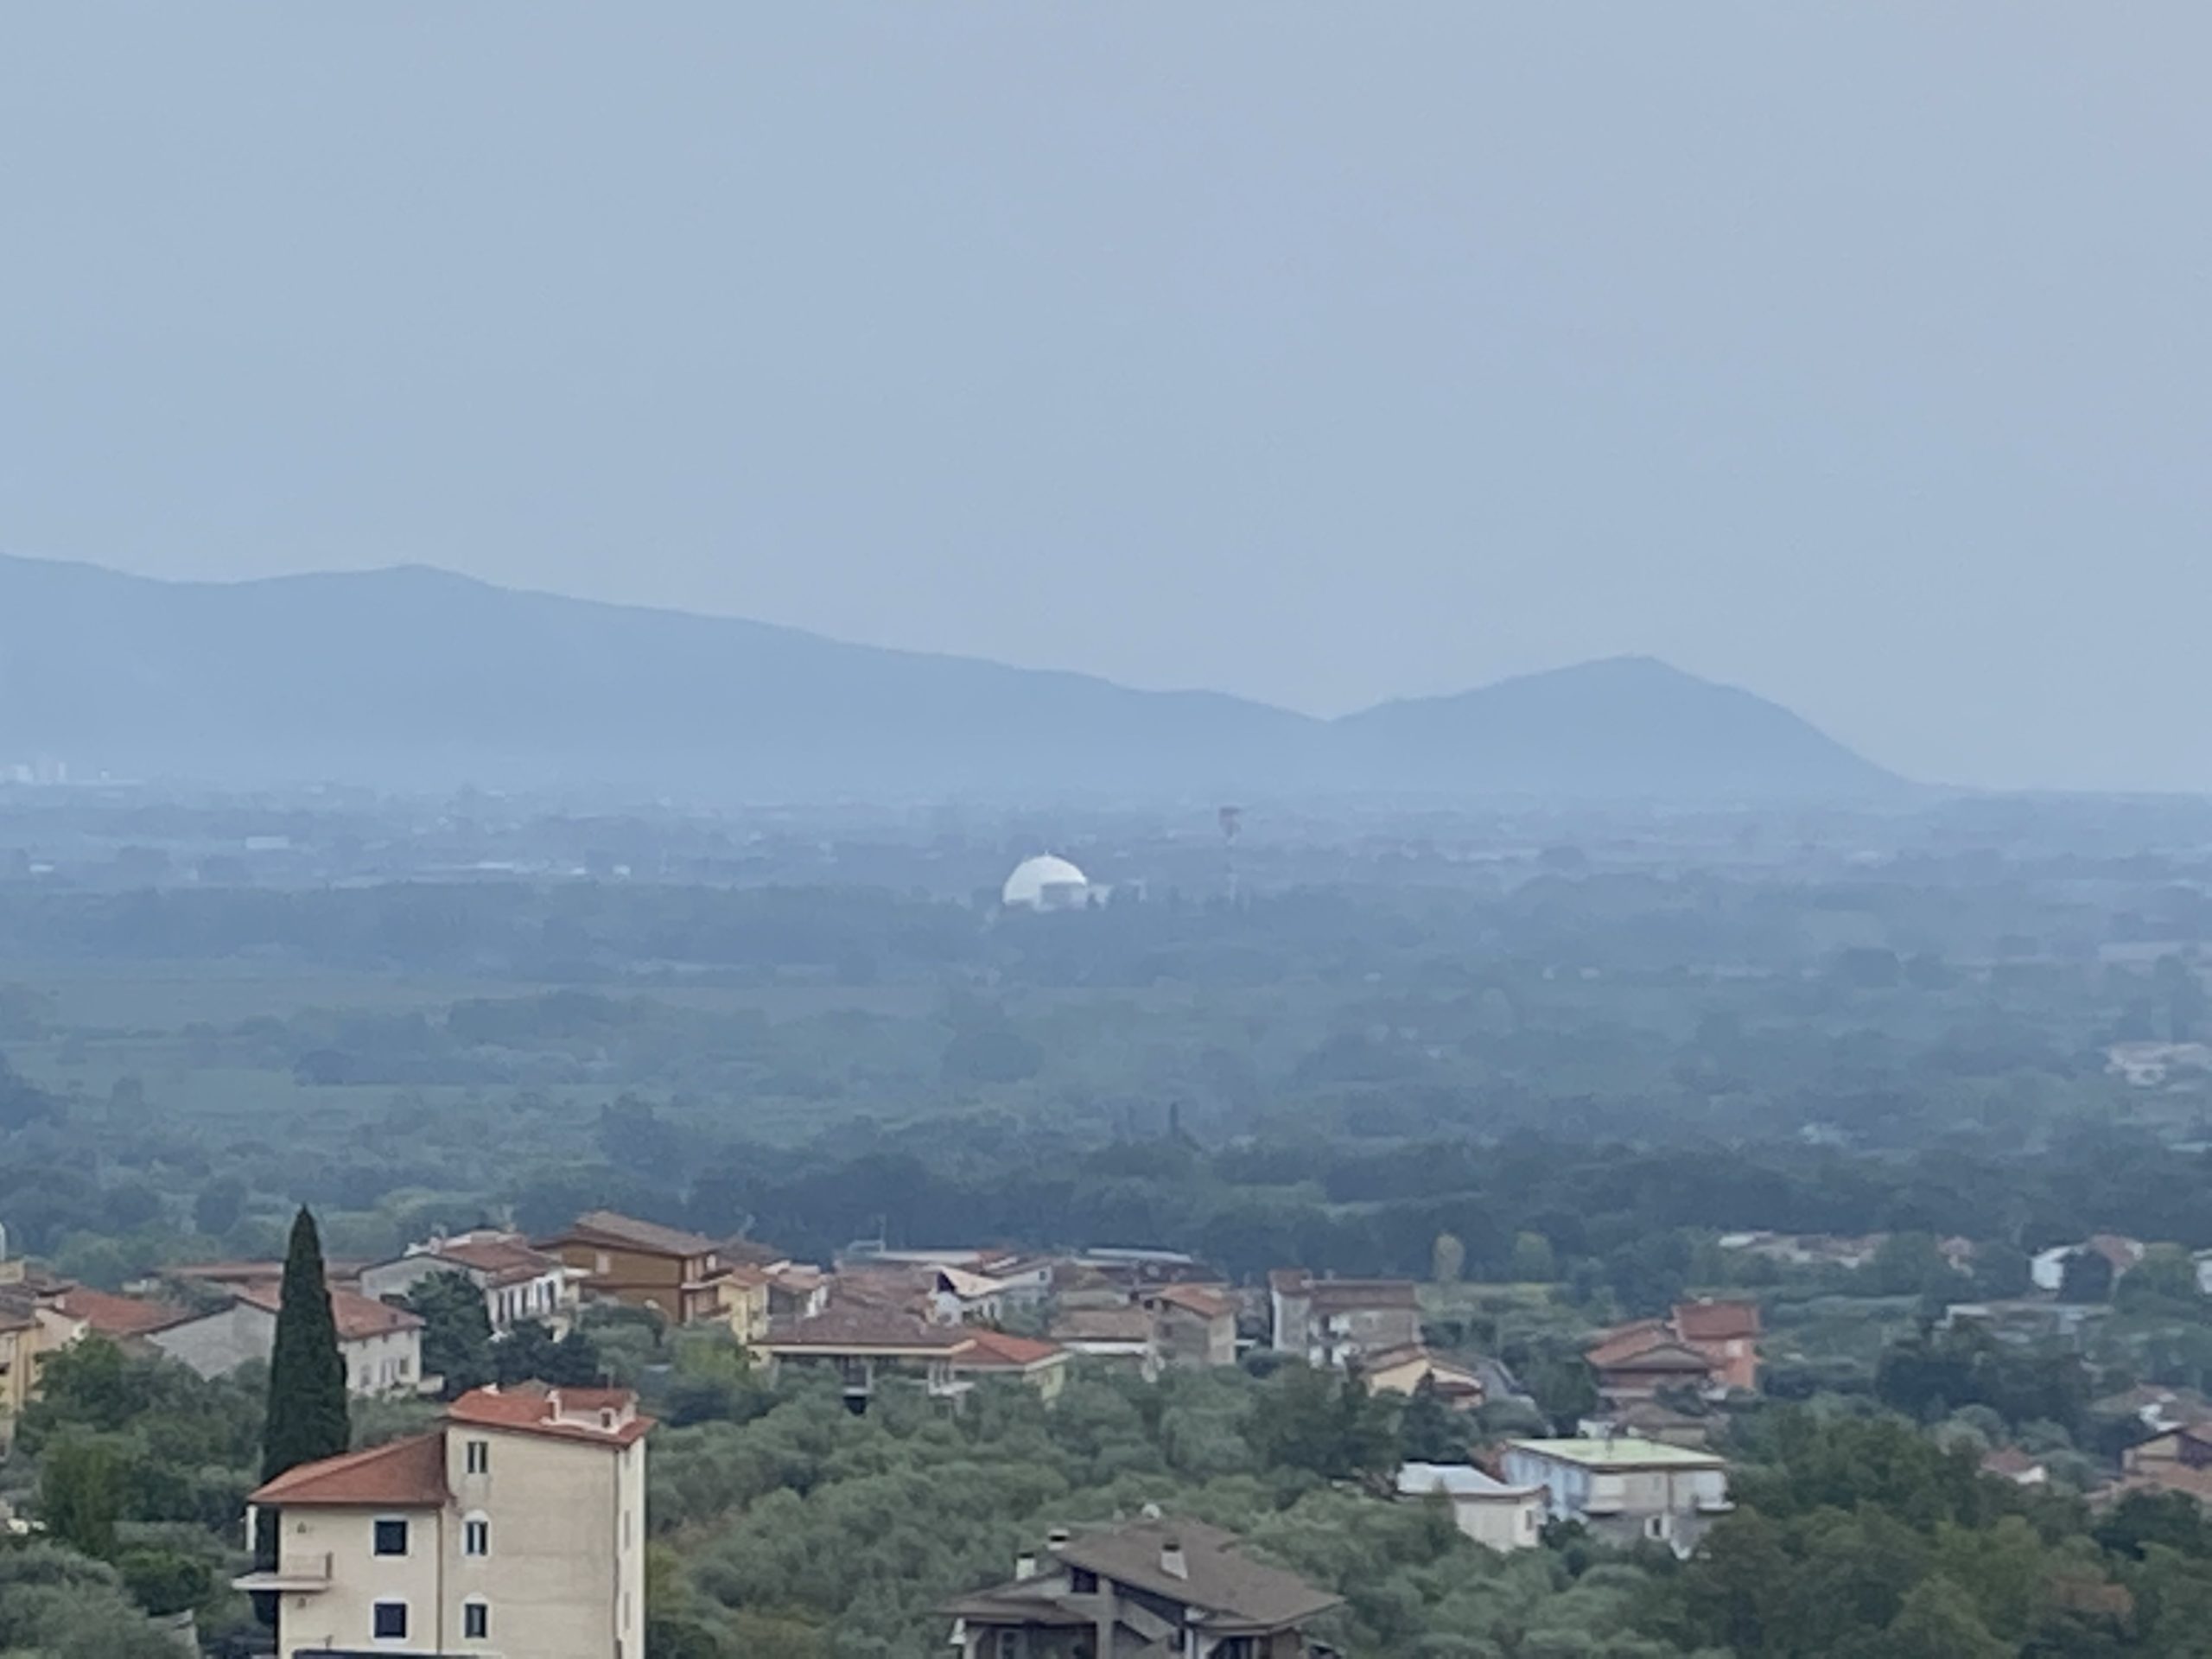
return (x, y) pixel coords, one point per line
(307, 1378)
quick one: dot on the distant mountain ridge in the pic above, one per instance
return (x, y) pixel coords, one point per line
(415, 678)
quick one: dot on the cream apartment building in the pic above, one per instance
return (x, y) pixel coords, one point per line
(516, 1527)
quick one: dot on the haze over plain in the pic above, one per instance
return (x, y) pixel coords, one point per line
(1855, 356)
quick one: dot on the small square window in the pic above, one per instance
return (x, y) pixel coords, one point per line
(476, 1620)
(390, 1621)
(479, 1457)
(392, 1538)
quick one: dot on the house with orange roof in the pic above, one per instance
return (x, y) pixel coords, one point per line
(858, 1342)
(517, 1526)
(1726, 1331)
(126, 1320)
(1707, 1346)
(1193, 1326)
(382, 1346)
(519, 1282)
(677, 1274)
(1043, 1365)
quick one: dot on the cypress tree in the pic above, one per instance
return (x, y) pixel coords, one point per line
(306, 1377)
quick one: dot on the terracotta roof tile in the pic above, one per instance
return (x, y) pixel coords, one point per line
(844, 1327)
(565, 1414)
(1654, 1354)
(1103, 1324)
(1201, 1299)
(1711, 1321)
(627, 1232)
(503, 1261)
(117, 1316)
(409, 1473)
(358, 1317)
(997, 1351)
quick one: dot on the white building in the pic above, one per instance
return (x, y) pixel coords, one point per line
(2047, 1268)
(1625, 1490)
(518, 1283)
(381, 1346)
(517, 1527)
(1493, 1513)
(1046, 883)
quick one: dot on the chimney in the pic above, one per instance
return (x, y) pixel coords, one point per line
(1056, 1540)
(1172, 1562)
(1024, 1565)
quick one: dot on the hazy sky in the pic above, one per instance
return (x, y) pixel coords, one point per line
(1858, 354)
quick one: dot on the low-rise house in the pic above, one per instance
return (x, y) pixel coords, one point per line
(797, 1291)
(1639, 1360)
(518, 1281)
(2160, 1410)
(1153, 1587)
(1708, 1346)
(1194, 1326)
(2021, 1468)
(746, 1303)
(518, 1527)
(2177, 1461)
(382, 1346)
(963, 1296)
(740, 1251)
(1727, 1331)
(2047, 1268)
(673, 1272)
(1495, 1515)
(1121, 1337)
(126, 1321)
(28, 1334)
(860, 1343)
(1625, 1490)
(1042, 1365)
(1408, 1370)
(1140, 1268)
(1334, 1323)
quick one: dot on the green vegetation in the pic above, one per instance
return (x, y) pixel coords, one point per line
(1554, 1094)
(307, 1376)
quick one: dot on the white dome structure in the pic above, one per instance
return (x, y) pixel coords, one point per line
(1046, 883)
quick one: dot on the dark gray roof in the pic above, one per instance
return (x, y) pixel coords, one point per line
(1220, 1578)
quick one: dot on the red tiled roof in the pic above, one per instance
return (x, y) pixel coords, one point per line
(1103, 1324)
(1621, 1340)
(1711, 1321)
(505, 1262)
(626, 1232)
(566, 1413)
(751, 1253)
(117, 1316)
(856, 1328)
(997, 1351)
(1661, 1354)
(1206, 1303)
(1356, 1295)
(402, 1474)
(358, 1317)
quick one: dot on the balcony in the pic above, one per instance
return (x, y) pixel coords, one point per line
(304, 1578)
